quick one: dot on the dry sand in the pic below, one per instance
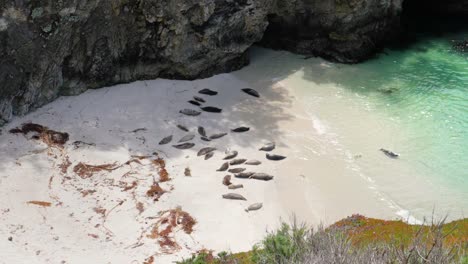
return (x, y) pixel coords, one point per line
(107, 217)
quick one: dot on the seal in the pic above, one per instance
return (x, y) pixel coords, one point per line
(231, 155)
(254, 207)
(234, 196)
(209, 155)
(184, 146)
(261, 176)
(223, 167)
(207, 91)
(274, 157)
(190, 112)
(183, 128)
(227, 180)
(194, 102)
(268, 147)
(237, 161)
(236, 170)
(187, 138)
(199, 99)
(390, 154)
(165, 140)
(244, 175)
(201, 131)
(253, 162)
(205, 151)
(211, 109)
(205, 139)
(241, 129)
(219, 135)
(235, 186)
(251, 92)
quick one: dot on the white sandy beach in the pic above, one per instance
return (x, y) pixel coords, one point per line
(108, 217)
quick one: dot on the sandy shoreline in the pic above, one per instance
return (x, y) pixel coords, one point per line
(97, 219)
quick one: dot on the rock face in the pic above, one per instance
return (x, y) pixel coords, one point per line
(347, 31)
(49, 48)
(52, 48)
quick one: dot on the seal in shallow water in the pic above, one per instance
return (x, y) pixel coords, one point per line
(165, 140)
(205, 139)
(190, 112)
(234, 196)
(199, 99)
(268, 147)
(231, 155)
(194, 102)
(183, 128)
(184, 146)
(240, 129)
(208, 92)
(219, 135)
(186, 138)
(274, 157)
(223, 167)
(254, 207)
(389, 153)
(201, 131)
(211, 109)
(251, 92)
(205, 151)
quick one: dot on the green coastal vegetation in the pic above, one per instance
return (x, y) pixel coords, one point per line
(356, 239)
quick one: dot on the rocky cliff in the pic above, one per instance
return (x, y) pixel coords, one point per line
(52, 48)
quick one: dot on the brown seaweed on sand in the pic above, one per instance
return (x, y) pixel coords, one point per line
(155, 192)
(40, 203)
(163, 174)
(86, 171)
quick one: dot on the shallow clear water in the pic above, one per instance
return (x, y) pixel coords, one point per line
(413, 101)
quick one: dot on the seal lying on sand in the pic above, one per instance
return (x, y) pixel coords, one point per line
(231, 155)
(261, 176)
(183, 128)
(253, 162)
(227, 180)
(237, 161)
(199, 99)
(244, 175)
(240, 129)
(390, 154)
(205, 139)
(219, 135)
(274, 157)
(223, 167)
(251, 92)
(165, 140)
(187, 138)
(184, 146)
(234, 196)
(190, 112)
(211, 109)
(194, 102)
(205, 151)
(236, 170)
(268, 147)
(209, 155)
(208, 92)
(201, 131)
(254, 207)
(235, 186)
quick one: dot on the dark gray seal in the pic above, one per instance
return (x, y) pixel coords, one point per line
(205, 139)
(236, 170)
(208, 92)
(209, 155)
(186, 138)
(234, 196)
(390, 154)
(184, 146)
(253, 162)
(194, 102)
(237, 161)
(240, 129)
(262, 176)
(268, 147)
(244, 175)
(251, 92)
(274, 157)
(254, 207)
(211, 109)
(199, 99)
(183, 128)
(190, 112)
(231, 155)
(219, 135)
(223, 167)
(205, 151)
(201, 131)
(165, 140)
